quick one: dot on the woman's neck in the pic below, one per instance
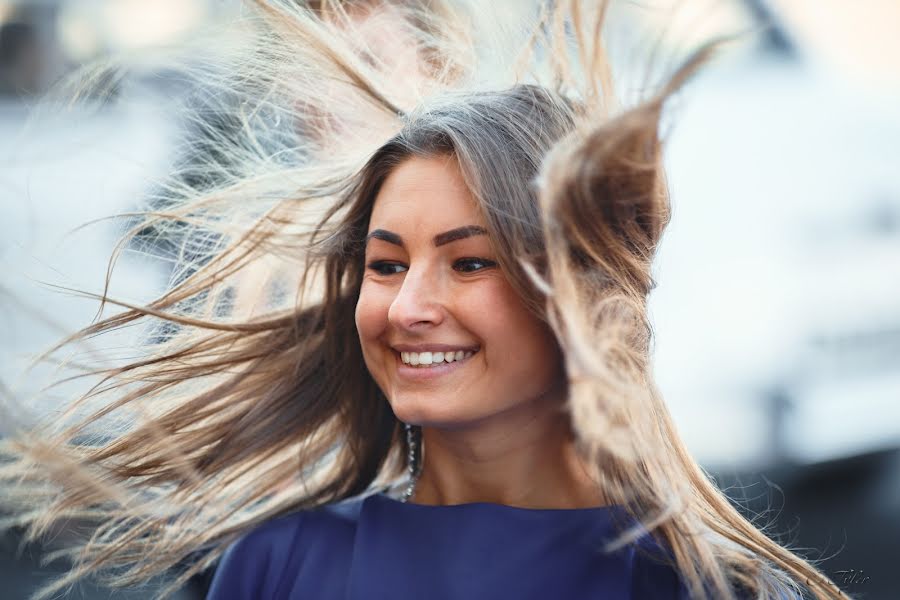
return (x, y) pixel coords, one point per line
(530, 464)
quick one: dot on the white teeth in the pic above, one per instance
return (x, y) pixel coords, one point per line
(433, 358)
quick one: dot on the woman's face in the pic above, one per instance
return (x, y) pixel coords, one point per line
(432, 289)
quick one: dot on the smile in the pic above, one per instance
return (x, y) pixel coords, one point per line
(434, 368)
(427, 359)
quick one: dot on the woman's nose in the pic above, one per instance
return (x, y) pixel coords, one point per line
(418, 301)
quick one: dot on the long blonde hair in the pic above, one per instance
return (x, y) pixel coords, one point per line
(253, 400)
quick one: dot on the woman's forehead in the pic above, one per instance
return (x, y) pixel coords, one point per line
(426, 193)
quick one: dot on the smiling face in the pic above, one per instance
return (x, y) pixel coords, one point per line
(432, 284)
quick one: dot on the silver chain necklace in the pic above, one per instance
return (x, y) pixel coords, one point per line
(414, 459)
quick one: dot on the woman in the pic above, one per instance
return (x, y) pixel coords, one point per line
(453, 396)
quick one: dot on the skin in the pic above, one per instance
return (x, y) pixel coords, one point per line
(494, 430)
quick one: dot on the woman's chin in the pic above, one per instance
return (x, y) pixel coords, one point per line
(432, 412)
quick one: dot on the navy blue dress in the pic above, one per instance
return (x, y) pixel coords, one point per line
(380, 548)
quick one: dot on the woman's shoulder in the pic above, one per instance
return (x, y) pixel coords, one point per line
(653, 571)
(255, 564)
(655, 575)
(276, 532)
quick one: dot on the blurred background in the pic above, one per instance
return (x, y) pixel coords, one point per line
(777, 311)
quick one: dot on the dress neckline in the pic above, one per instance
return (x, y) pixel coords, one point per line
(494, 506)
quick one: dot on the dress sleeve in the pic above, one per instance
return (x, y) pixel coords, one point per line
(253, 567)
(652, 579)
(237, 574)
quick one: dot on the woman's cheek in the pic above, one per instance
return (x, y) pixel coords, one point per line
(372, 312)
(364, 315)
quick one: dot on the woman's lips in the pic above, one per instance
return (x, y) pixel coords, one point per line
(412, 373)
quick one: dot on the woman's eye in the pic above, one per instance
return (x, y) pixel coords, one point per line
(386, 268)
(470, 265)
(463, 265)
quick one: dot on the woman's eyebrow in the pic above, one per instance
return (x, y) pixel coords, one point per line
(439, 240)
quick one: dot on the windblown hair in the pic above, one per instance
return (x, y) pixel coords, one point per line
(252, 398)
